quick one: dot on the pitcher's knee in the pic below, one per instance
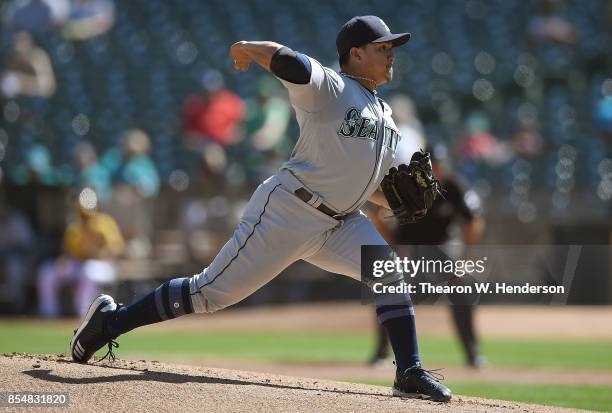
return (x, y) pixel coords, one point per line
(207, 306)
(203, 300)
(203, 304)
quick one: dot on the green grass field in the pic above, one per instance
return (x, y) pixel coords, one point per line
(45, 337)
(48, 337)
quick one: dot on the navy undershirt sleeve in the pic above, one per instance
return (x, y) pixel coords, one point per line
(291, 66)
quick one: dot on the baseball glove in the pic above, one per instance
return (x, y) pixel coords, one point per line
(411, 189)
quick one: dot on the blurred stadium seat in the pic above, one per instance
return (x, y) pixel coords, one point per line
(139, 72)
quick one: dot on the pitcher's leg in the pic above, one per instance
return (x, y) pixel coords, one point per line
(342, 254)
(269, 238)
(276, 229)
(243, 265)
(168, 301)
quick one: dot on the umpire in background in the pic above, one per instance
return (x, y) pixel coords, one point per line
(453, 218)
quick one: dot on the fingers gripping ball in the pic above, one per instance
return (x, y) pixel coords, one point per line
(411, 189)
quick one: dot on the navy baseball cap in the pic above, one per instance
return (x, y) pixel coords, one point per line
(362, 30)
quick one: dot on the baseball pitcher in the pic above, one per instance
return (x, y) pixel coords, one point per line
(310, 209)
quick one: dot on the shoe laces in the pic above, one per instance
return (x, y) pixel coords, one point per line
(110, 354)
(431, 373)
(111, 344)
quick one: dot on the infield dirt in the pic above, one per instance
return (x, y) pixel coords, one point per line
(144, 386)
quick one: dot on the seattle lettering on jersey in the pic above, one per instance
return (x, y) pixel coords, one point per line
(360, 127)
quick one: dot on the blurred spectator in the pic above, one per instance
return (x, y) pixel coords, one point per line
(88, 18)
(17, 245)
(36, 16)
(36, 169)
(480, 145)
(131, 165)
(77, 19)
(549, 26)
(478, 142)
(409, 125)
(90, 174)
(603, 117)
(205, 215)
(268, 116)
(91, 242)
(213, 113)
(27, 71)
(210, 178)
(527, 141)
(136, 184)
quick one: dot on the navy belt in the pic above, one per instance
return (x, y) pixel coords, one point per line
(306, 196)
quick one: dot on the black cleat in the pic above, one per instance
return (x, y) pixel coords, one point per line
(91, 335)
(416, 382)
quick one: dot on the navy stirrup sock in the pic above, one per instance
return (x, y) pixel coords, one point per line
(169, 300)
(400, 324)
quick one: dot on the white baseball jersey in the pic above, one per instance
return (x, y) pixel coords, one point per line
(347, 144)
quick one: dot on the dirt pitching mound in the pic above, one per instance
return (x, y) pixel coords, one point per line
(141, 386)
